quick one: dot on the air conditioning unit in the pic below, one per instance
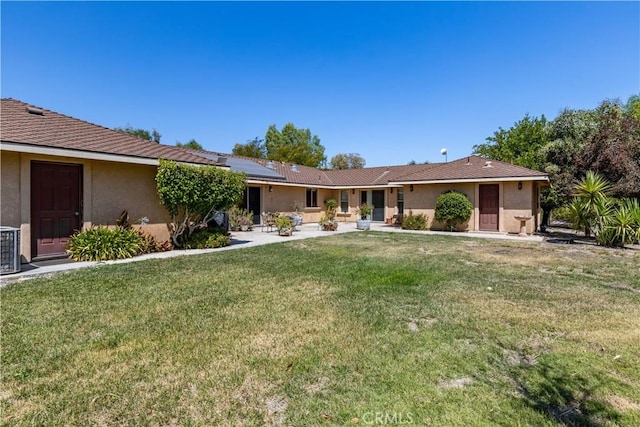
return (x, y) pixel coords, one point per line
(9, 250)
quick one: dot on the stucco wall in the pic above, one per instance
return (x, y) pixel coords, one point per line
(107, 189)
(118, 186)
(518, 202)
(422, 200)
(282, 199)
(10, 191)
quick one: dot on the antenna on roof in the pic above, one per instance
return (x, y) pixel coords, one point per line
(443, 151)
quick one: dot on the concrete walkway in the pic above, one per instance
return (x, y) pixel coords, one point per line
(240, 240)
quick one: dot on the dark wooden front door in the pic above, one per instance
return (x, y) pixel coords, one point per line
(377, 197)
(489, 207)
(55, 207)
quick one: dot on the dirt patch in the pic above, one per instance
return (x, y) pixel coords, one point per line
(317, 386)
(622, 403)
(455, 383)
(621, 286)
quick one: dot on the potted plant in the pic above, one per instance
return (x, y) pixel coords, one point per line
(364, 212)
(245, 223)
(297, 216)
(284, 225)
(328, 220)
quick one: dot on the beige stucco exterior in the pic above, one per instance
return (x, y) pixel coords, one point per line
(107, 189)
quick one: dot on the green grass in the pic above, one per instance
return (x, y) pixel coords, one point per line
(432, 330)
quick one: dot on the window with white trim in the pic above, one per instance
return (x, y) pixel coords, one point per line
(312, 198)
(344, 201)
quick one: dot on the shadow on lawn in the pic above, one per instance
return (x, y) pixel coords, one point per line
(564, 397)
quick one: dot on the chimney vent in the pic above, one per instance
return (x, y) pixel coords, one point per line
(34, 110)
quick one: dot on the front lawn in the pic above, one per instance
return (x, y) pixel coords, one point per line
(352, 329)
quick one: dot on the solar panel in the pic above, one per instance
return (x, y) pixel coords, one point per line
(249, 167)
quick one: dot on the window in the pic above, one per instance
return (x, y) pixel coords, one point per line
(400, 200)
(312, 198)
(344, 201)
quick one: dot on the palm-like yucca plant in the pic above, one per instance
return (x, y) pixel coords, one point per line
(624, 222)
(592, 199)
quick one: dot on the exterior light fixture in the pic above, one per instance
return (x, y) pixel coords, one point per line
(411, 187)
(271, 189)
(391, 190)
(353, 191)
(520, 185)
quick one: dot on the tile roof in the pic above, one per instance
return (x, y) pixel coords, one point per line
(471, 167)
(50, 129)
(381, 175)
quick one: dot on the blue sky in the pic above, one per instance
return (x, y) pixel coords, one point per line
(392, 81)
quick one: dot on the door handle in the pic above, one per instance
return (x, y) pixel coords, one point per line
(76, 213)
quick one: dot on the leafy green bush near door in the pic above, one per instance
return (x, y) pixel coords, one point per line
(100, 243)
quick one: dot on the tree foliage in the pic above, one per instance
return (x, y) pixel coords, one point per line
(192, 144)
(193, 195)
(294, 145)
(452, 209)
(254, 148)
(152, 135)
(519, 145)
(347, 161)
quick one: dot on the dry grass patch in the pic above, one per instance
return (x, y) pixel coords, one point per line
(449, 329)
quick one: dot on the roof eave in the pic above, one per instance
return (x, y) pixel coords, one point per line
(467, 180)
(20, 147)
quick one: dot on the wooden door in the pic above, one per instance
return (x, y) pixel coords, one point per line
(489, 207)
(55, 207)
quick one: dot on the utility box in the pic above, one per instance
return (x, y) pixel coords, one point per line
(9, 250)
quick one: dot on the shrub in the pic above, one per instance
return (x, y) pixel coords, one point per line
(206, 239)
(100, 243)
(414, 222)
(194, 195)
(452, 209)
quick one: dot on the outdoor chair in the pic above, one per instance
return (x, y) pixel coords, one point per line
(268, 220)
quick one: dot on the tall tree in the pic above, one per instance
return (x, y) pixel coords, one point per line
(253, 148)
(613, 150)
(633, 106)
(192, 145)
(153, 135)
(347, 161)
(294, 145)
(519, 144)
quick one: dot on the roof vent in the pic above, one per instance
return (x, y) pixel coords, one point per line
(294, 168)
(222, 160)
(270, 165)
(34, 110)
(468, 161)
(487, 164)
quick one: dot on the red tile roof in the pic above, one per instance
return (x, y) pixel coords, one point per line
(50, 129)
(470, 168)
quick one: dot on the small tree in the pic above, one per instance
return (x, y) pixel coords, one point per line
(193, 195)
(453, 208)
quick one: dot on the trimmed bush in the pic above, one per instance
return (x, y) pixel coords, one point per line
(414, 222)
(207, 239)
(452, 209)
(103, 243)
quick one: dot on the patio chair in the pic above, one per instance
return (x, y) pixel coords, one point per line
(269, 220)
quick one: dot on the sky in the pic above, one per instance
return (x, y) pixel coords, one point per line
(393, 82)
